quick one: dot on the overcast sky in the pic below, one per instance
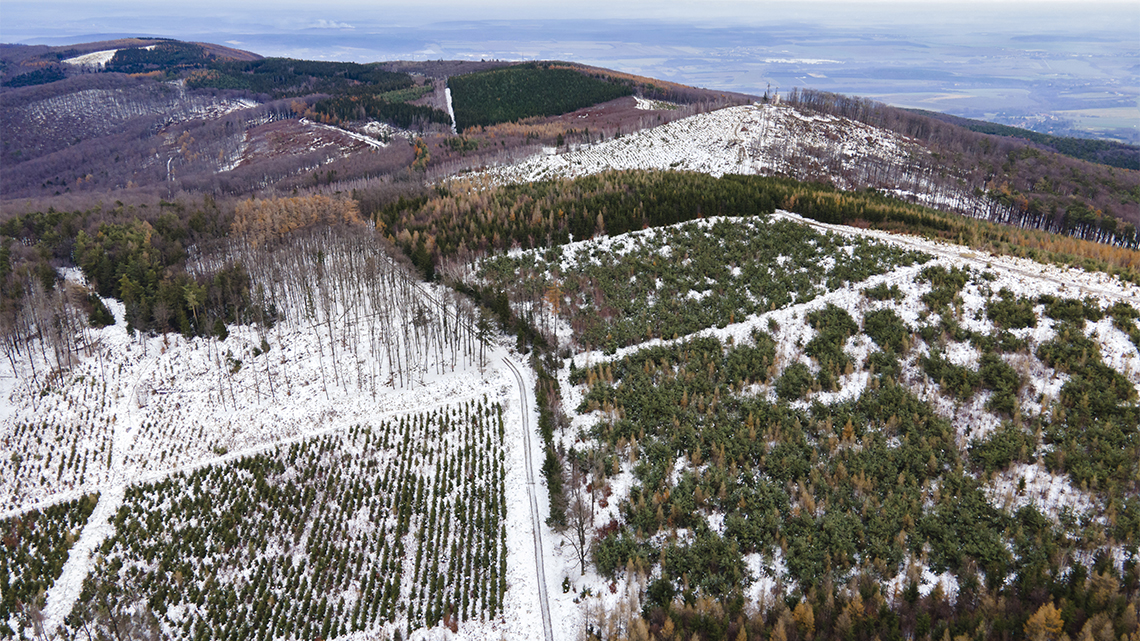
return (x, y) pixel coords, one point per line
(1012, 61)
(28, 21)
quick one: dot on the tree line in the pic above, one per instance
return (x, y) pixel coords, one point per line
(444, 230)
(1031, 187)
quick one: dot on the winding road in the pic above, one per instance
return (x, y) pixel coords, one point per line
(536, 521)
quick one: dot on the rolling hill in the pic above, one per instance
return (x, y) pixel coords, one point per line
(298, 349)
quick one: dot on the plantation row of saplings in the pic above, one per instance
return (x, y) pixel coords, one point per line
(391, 526)
(356, 302)
(434, 548)
(904, 455)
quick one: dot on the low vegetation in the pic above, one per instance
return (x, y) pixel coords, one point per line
(392, 526)
(794, 435)
(35, 545)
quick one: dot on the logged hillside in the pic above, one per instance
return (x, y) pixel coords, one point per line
(304, 388)
(204, 119)
(754, 424)
(742, 416)
(1065, 195)
(1026, 179)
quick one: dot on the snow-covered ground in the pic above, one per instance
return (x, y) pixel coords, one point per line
(139, 408)
(93, 60)
(98, 111)
(368, 140)
(749, 139)
(1051, 493)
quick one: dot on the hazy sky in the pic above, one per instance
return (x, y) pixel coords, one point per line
(1053, 64)
(31, 21)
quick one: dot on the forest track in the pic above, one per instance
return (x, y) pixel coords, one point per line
(979, 259)
(536, 520)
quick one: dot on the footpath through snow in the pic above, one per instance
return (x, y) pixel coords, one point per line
(65, 592)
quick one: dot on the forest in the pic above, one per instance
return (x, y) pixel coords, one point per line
(1105, 152)
(753, 426)
(1075, 191)
(522, 91)
(743, 462)
(287, 78)
(439, 233)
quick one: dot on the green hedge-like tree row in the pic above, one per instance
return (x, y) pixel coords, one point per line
(368, 107)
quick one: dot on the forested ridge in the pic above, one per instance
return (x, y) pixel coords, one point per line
(843, 494)
(460, 221)
(1019, 180)
(1105, 152)
(851, 496)
(1074, 191)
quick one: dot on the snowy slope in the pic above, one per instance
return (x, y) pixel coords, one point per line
(750, 139)
(141, 408)
(1052, 493)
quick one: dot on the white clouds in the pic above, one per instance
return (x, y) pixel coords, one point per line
(330, 24)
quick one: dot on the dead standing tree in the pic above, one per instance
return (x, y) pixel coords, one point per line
(579, 528)
(350, 285)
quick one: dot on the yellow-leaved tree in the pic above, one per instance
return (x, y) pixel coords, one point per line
(1045, 624)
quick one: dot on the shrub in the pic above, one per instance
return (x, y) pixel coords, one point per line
(794, 382)
(1000, 377)
(887, 329)
(945, 285)
(882, 292)
(959, 381)
(1003, 446)
(1070, 310)
(1011, 312)
(711, 564)
(834, 326)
